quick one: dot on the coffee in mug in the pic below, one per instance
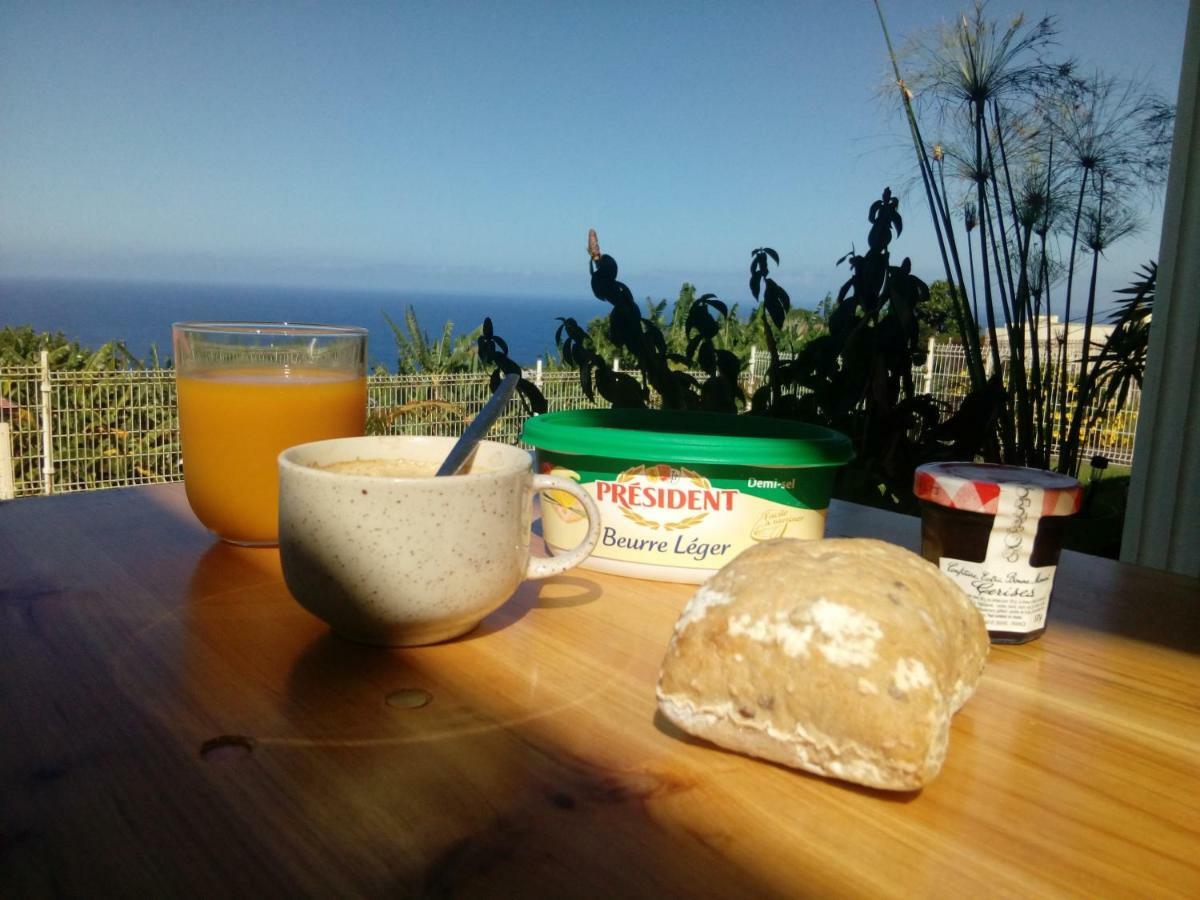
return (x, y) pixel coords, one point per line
(385, 552)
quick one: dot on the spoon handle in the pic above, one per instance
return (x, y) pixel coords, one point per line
(479, 426)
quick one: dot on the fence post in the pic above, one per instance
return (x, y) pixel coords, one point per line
(47, 426)
(616, 364)
(7, 481)
(929, 366)
(537, 375)
(753, 368)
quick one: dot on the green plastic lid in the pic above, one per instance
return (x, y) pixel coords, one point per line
(697, 437)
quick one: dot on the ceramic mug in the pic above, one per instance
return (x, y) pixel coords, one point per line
(385, 553)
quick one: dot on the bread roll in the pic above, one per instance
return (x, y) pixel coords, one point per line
(842, 657)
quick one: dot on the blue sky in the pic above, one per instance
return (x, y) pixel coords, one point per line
(468, 147)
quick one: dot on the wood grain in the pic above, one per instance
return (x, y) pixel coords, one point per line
(172, 722)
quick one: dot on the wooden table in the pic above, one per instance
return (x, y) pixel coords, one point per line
(173, 723)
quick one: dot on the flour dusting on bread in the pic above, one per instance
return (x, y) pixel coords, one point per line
(842, 657)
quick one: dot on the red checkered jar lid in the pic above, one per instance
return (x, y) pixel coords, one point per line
(976, 487)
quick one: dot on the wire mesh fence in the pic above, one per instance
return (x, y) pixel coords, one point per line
(110, 429)
(20, 448)
(76, 431)
(944, 376)
(435, 405)
(1111, 436)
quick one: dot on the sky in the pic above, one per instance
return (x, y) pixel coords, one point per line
(468, 147)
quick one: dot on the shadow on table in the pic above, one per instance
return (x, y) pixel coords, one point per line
(1129, 601)
(486, 788)
(1090, 592)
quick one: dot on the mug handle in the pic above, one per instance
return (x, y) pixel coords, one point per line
(545, 566)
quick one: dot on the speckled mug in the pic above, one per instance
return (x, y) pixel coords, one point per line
(408, 561)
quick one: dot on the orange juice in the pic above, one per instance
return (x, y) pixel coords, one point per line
(233, 423)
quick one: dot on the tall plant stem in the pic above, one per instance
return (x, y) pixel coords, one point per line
(1048, 387)
(967, 322)
(1020, 290)
(974, 286)
(1004, 278)
(1045, 390)
(970, 335)
(1012, 314)
(773, 353)
(1084, 379)
(1022, 305)
(1083, 384)
(943, 194)
(1041, 375)
(1033, 451)
(981, 195)
(1062, 375)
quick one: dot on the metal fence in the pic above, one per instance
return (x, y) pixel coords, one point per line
(76, 431)
(1112, 436)
(443, 404)
(944, 376)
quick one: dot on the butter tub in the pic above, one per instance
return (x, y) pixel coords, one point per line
(682, 493)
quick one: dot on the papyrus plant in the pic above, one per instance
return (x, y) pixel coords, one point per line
(1050, 163)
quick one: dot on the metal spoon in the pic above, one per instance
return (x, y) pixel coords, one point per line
(479, 426)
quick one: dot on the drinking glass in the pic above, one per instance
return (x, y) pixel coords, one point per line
(249, 390)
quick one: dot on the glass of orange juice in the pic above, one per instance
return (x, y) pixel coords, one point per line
(249, 390)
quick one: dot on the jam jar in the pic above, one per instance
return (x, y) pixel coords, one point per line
(997, 531)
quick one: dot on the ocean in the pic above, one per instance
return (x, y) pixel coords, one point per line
(141, 313)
